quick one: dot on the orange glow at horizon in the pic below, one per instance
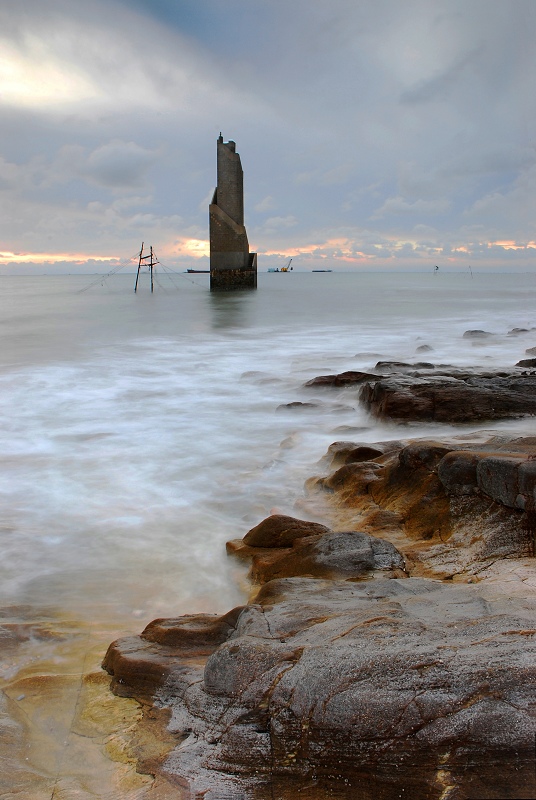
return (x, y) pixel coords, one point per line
(195, 247)
(51, 258)
(508, 245)
(318, 249)
(337, 248)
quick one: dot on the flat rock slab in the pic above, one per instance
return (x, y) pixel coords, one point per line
(342, 379)
(450, 399)
(450, 507)
(406, 687)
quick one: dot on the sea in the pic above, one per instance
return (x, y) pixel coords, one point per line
(141, 431)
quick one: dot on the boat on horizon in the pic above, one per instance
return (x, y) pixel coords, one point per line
(288, 268)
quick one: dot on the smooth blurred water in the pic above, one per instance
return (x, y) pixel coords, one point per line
(139, 432)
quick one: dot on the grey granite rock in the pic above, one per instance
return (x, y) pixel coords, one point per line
(396, 686)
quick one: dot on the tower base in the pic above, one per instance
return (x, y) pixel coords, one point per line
(230, 280)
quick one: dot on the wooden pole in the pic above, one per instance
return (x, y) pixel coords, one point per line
(152, 262)
(139, 267)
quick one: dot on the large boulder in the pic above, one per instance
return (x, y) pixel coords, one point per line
(282, 547)
(337, 554)
(279, 530)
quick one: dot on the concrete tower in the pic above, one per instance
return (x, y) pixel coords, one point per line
(232, 266)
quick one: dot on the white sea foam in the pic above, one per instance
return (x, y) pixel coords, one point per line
(139, 433)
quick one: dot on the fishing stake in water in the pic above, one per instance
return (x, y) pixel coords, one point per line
(151, 264)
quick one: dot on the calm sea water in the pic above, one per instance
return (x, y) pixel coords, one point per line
(139, 432)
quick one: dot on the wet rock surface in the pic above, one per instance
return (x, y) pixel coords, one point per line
(342, 379)
(477, 334)
(451, 398)
(389, 654)
(390, 678)
(451, 508)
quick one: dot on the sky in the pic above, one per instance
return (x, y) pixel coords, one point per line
(381, 135)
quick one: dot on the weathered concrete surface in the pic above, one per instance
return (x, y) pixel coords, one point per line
(229, 280)
(232, 266)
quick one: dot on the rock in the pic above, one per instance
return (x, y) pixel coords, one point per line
(497, 476)
(526, 362)
(199, 633)
(531, 351)
(422, 454)
(477, 334)
(348, 554)
(449, 399)
(286, 547)
(465, 502)
(517, 331)
(360, 474)
(331, 678)
(507, 478)
(143, 663)
(362, 452)
(297, 405)
(279, 530)
(457, 472)
(346, 676)
(341, 453)
(394, 366)
(350, 429)
(342, 379)
(424, 348)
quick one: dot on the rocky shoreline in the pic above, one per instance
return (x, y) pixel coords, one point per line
(387, 654)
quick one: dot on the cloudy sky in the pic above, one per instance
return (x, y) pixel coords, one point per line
(373, 135)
